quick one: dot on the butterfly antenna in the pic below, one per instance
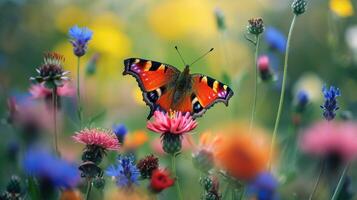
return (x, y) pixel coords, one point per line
(180, 56)
(199, 58)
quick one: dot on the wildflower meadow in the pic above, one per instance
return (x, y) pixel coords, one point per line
(178, 100)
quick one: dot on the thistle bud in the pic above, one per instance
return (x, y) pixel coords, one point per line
(255, 26)
(299, 6)
(211, 186)
(171, 143)
(93, 153)
(203, 160)
(14, 186)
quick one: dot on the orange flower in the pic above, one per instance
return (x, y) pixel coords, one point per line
(242, 154)
(135, 139)
(208, 140)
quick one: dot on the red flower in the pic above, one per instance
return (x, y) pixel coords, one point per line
(102, 138)
(160, 180)
(173, 122)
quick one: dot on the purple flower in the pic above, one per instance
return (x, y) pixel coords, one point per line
(275, 39)
(79, 39)
(330, 105)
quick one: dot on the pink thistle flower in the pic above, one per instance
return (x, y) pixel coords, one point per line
(174, 122)
(102, 138)
(39, 91)
(331, 138)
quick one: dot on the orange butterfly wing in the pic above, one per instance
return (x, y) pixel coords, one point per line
(206, 92)
(152, 77)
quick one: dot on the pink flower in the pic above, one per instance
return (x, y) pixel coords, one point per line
(39, 91)
(98, 137)
(173, 122)
(26, 112)
(331, 138)
(263, 63)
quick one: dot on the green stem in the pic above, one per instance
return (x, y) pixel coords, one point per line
(177, 184)
(340, 183)
(79, 112)
(54, 102)
(255, 82)
(318, 180)
(89, 188)
(282, 93)
(225, 193)
(242, 194)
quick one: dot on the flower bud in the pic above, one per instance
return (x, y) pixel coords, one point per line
(203, 160)
(255, 26)
(299, 6)
(93, 153)
(14, 186)
(171, 143)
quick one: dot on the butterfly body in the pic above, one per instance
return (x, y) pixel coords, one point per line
(166, 88)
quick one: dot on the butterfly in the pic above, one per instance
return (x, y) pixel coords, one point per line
(166, 88)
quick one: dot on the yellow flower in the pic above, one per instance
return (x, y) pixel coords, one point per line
(342, 8)
(78, 16)
(175, 19)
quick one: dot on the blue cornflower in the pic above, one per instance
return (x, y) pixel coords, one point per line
(264, 187)
(45, 166)
(120, 131)
(275, 39)
(302, 99)
(330, 105)
(79, 39)
(125, 171)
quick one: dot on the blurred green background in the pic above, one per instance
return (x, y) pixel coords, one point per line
(321, 52)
